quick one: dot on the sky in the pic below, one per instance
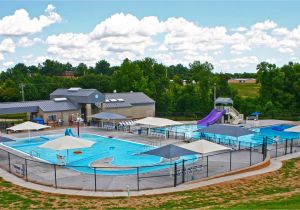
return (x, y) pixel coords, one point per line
(232, 35)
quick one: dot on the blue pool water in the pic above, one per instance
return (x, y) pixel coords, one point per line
(257, 138)
(123, 154)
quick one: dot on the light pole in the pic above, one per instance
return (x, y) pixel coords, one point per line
(215, 95)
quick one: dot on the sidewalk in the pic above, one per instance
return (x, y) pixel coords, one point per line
(275, 164)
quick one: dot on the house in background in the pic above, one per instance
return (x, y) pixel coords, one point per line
(242, 80)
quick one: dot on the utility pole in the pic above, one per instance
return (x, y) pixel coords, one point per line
(215, 95)
(22, 85)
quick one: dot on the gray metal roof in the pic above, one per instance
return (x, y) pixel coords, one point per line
(224, 101)
(34, 106)
(227, 130)
(108, 116)
(52, 106)
(79, 96)
(67, 92)
(134, 98)
(112, 105)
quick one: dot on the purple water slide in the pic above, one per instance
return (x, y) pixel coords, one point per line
(211, 118)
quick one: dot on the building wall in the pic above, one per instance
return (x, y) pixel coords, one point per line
(134, 111)
(247, 81)
(65, 115)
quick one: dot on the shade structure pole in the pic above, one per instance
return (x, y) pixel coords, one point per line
(67, 157)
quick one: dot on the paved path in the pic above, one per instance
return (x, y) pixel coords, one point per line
(276, 164)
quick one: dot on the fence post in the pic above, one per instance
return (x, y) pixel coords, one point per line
(239, 145)
(175, 174)
(95, 179)
(276, 147)
(206, 166)
(286, 141)
(230, 157)
(138, 178)
(26, 174)
(55, 180)
(9, 169)
(291, 149)
(183, 171)
(250, 153)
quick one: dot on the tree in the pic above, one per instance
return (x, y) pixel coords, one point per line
(102, 67)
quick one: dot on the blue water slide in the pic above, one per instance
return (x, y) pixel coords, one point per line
(69, 132)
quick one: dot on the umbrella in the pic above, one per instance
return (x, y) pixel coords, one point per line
(204, 146)
(256, 114)
(170, 151)
(66, 143)
(28, 126)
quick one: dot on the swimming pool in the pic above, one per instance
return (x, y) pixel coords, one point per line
(121, 153)
(257, 138)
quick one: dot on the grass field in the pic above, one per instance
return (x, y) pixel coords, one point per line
(275, 190)
(246, 90)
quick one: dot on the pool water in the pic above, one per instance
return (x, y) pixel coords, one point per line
(257, 138)
(123, 154)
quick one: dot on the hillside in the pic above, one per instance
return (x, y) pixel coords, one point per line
(246, 90)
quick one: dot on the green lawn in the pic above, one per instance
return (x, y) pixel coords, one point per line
(275, 190)
(246, 90)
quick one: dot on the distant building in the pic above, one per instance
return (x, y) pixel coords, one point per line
(68, 104)
(68, 74)
(242, 80)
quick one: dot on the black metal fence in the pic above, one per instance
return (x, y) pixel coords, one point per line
(165, 174)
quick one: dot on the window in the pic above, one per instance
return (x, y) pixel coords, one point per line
(52, 117)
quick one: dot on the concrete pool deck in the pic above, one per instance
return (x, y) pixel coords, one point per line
(275, 164)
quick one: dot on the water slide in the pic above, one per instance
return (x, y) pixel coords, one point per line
(211, 118)
(69, 132)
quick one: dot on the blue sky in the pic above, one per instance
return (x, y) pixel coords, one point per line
(233, 35)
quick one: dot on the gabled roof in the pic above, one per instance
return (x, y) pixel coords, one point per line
(78, 95)
(34, 106)
(67, 92)
(134, 98)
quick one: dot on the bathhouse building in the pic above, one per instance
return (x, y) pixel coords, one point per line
(67, 105)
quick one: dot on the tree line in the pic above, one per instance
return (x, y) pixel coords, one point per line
(179, 91)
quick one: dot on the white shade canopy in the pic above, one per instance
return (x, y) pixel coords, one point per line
(156, 122)
(67, 142)
(27, 126)
(203, 146)
(293, 129)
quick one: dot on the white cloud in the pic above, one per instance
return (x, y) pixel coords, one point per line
(1, 57)
(286, 50)
(266, 25)
(26, 42)
(238, 63)
(240, 29)
(20, 23)
(7, 64)
(7, 46)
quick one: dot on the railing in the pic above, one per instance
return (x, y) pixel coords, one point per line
(165, 174)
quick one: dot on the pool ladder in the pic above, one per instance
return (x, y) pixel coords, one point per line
(34, 153)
